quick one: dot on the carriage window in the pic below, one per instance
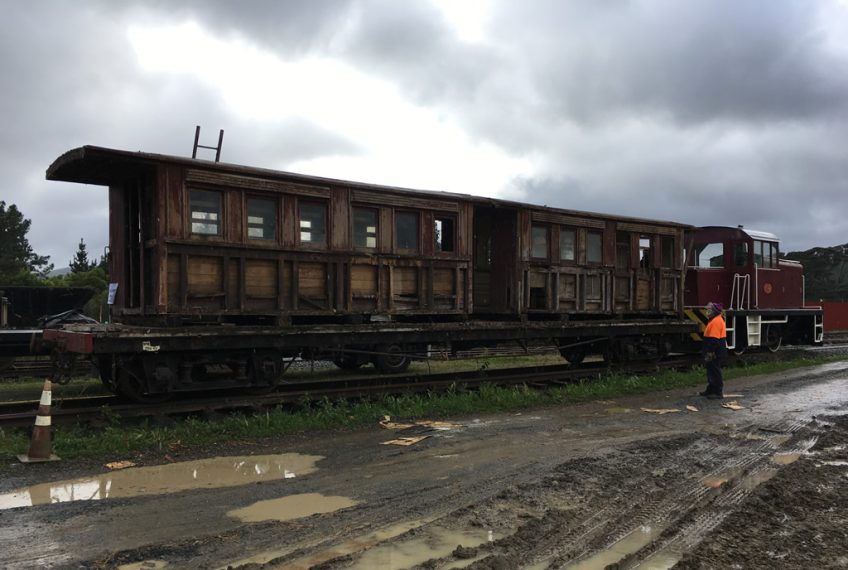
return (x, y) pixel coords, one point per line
(406, 230)
(645, 261)
(567, 244)
(539, 248)
(261, 218)
(740, 254)
(622, 251)
(313, 223)
(205, 207)
(667, 251)
(709, 255)
(444, 233)
(365, 228)
(594, 247)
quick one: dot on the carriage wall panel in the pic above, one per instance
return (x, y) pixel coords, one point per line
(312, 286)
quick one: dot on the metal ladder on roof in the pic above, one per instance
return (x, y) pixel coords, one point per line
(217, 149)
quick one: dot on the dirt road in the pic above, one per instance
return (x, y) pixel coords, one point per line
(758, 485)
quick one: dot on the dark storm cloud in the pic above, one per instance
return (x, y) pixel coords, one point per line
(706, 111)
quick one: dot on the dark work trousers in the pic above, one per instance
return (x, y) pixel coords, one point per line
(715, 382)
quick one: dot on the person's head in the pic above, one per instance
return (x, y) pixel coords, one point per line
(714, 309)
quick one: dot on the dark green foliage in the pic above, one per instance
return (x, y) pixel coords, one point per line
(19, 265)
(80, 263)
(825, 271)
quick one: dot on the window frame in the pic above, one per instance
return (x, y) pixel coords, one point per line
(395, 242)
(575, 245)
(219, 222)
(589, 235)
(437, 217)
(275, 210)
(376, 212)
(547, 229)
(311, 244)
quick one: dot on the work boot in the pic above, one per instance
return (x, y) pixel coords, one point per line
(705, 393)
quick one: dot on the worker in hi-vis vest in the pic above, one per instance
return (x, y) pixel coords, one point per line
(714, 349)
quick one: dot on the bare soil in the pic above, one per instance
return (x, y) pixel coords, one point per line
(601, 485)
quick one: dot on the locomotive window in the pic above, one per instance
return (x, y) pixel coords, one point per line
(261, 218)
(364, 228)
(406, 230)
(667, 251)
(765, 254)
(539, 248)
(740, 254)
(205, 207)
(709, 255)
(567, 244)
(444, 233)
(594, 247)
(313, 223)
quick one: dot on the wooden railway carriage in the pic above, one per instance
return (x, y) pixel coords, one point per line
(196, 242)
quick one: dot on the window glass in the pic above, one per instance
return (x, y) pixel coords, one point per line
(594, 247)
(567, 244)
(364, 228)
(444, 233)
(740, 254)
(313, 223)
(667, 251)
(539, 248)
(205, 207)
(709, 255)
(765, 254)
(261, 218)
(406, 230)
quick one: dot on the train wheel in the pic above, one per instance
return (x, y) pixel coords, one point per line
(348, 362)
(574, 355)
(392, 359)
(774, 338)
(132, 386)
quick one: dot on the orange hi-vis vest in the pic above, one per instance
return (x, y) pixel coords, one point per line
(716, 328)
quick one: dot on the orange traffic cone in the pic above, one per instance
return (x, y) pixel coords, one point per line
(39, 447)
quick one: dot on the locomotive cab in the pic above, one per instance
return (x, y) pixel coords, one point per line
(763, 294)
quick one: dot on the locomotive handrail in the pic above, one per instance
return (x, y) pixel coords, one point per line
(740, 295)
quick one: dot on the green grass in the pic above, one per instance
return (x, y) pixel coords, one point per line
(118, 439)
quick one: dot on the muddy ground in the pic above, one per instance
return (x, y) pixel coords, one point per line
(601, 485)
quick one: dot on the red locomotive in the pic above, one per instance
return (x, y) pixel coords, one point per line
(763, 295)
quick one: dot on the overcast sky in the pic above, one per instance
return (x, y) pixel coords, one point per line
(707, 112)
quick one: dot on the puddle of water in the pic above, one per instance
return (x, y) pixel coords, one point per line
(785, 458)
(211, 473)
(145, 565)
(291, 507)
(618, 410)
(631, 543)
(433, 543)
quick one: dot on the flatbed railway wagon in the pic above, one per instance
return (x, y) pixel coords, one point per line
(763, 294)
(223, 271)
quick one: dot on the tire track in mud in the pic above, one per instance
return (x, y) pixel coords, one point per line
(651, 503)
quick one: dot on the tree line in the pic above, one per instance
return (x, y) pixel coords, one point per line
(21, 266)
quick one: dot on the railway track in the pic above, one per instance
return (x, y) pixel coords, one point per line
(100, 408)
(103, 408)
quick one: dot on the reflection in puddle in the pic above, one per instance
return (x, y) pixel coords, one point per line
(633, 542)
(433, 543)
(211, 473)
(291, 507)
